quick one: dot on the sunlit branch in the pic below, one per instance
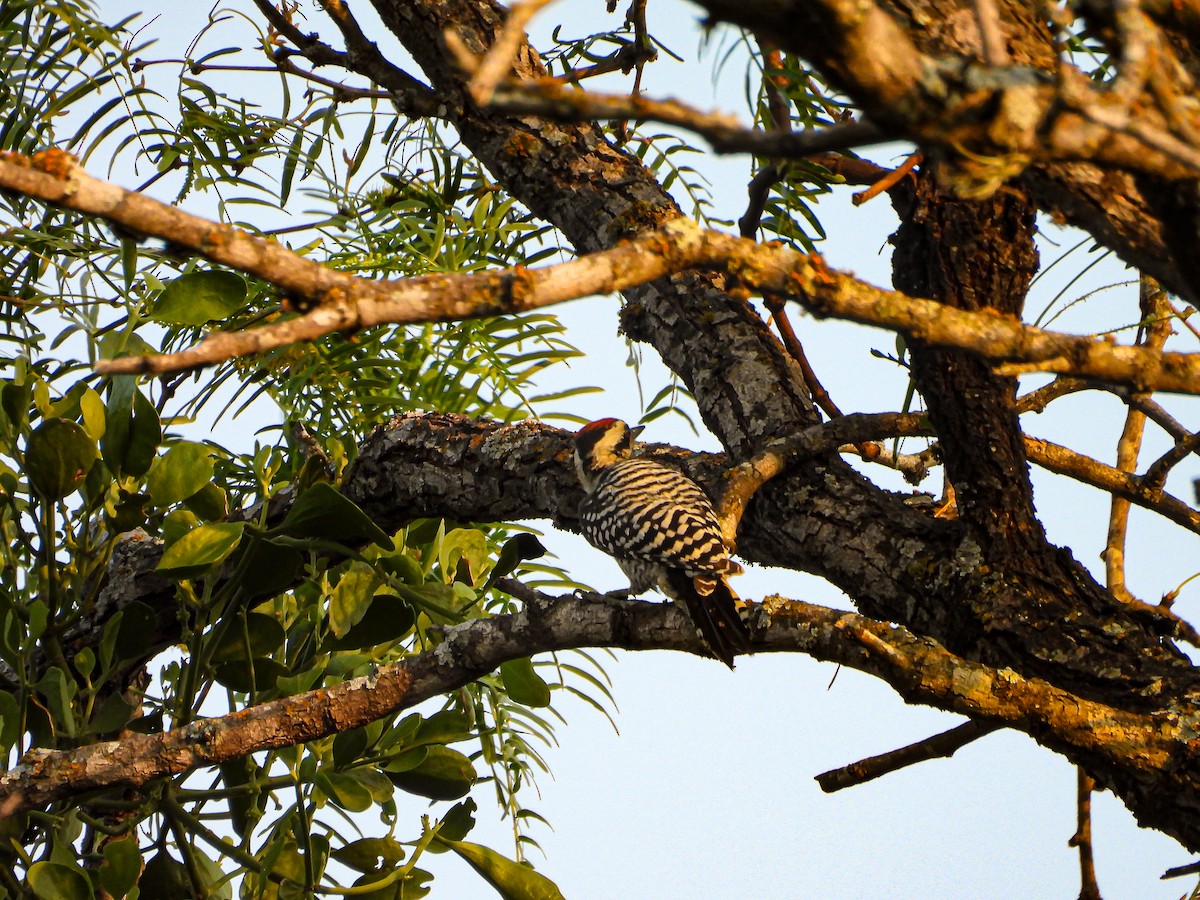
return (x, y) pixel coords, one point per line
(1065, 461)
(343, 302)
(918, 668)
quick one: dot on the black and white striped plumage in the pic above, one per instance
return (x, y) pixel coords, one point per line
(661, 529)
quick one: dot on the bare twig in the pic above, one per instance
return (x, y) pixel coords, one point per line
(1155, 334)
(744, 480)
(1067, 462)
(991, 36)
(1089, 889)
(499, 59)
(723, 132)
(890, 180)
(939, 746)
(409, 95)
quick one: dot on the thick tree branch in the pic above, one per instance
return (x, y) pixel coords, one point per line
(348, 302)
(1110, 740)
(866, 50)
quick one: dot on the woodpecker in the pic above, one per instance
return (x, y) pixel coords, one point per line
(662, 530)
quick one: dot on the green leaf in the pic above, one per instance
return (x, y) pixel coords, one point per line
(344, 790)
(164, 878)
(468, 544)
(52, 881)
(348, 746)
(15, 400)
(459, 821)
(404, 567)
(515, 551)
(200, 297)
(445, 727)
(121, 867)
(128, 512)
(511, 879)
(112, 715)
(351, 597)
(264, 633)
(322, 512)
(179, 473)
(250, 676)
(201, 549)
(210, 503)
(387, 619)
(132, 431)
(145, 434)
(523, 684)
(370, 854)
(138, 626)
(219, 887)
(406, 761)
(10, 720)
(58, 457)
(414, 885)
(91, 408)
(297, 684)
(58, 691)
(269, 568)
(85, 661)
(445, 774)
(245, 806)
(176, 524)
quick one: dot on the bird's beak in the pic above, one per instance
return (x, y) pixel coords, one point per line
(636, 430)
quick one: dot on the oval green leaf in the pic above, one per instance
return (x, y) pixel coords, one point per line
(247, 676)
(263, 633)
(201, 548)
(179, 473)
(370, 854)
(388, 618)
(200, 297)
(51, 881)
(511, 879)
(121, 867)
(58, 457)
(322, 512)
(210, 503)
(351, 597)
(524, 685)
(445, 774)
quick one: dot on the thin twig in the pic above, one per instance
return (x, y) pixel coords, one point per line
(995, 53)
(1089, 889)
(889, 180)
(498, 61)
(744, 480)
(939, 746)
(1065, 461)
(1155, 334)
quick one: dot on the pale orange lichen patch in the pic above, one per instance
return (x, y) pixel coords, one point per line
(53, 161)
(820, 271)
(334, 296)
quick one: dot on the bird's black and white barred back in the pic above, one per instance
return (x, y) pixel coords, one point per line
(661, 529)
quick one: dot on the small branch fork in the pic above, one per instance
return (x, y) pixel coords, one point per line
(920, 669)
(1072, 119)
(344, 302)
(745, 479)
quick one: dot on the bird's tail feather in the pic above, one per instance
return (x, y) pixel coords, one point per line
(713, 608)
